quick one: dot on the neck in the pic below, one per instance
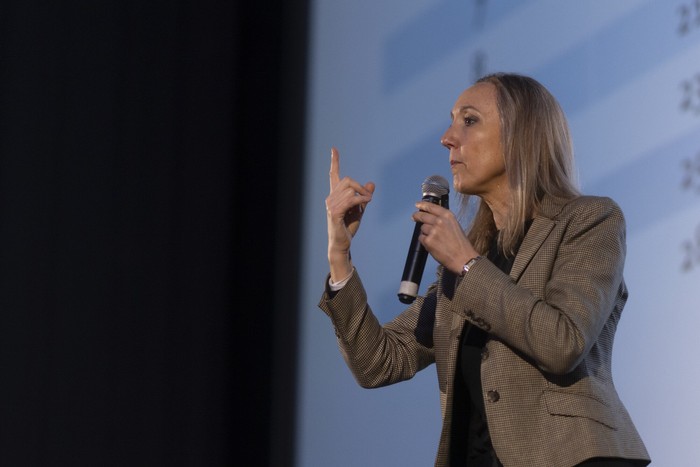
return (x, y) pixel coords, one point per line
(500, 205)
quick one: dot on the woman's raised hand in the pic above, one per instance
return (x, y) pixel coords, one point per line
(345, 206)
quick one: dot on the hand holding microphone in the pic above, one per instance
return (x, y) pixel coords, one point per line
(435, 190)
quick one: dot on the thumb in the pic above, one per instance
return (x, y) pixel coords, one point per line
(369, 186)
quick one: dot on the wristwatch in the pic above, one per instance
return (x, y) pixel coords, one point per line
(469, 264)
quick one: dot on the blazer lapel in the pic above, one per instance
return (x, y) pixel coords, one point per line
(542, 225)
(536, 235)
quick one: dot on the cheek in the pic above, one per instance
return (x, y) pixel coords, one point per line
(489, 162)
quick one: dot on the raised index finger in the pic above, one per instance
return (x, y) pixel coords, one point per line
(335, 167)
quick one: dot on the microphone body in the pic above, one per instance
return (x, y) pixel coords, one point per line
(435, 190)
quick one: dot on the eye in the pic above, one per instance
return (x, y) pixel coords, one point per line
(469, 120)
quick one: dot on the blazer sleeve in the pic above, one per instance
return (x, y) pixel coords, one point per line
(556, 310)
(380, 355)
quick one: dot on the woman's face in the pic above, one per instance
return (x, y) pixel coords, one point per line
(474, 141)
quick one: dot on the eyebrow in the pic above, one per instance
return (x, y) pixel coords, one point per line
(462, 109)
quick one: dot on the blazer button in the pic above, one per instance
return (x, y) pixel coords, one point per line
(484, 354)
(493, 396)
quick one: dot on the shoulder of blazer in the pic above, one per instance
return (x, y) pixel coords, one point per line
(556, 208)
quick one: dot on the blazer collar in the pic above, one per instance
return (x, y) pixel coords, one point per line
(542, 225)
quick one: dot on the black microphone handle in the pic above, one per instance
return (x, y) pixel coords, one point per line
(413, 269)
(415, 262)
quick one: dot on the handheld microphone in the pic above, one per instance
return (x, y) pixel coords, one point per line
(436, 190)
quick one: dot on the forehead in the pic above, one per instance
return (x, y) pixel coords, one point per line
(481, 96)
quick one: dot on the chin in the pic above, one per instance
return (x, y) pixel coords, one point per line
(462, 189)
(458, 185)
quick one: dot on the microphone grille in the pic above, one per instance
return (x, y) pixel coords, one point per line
(436, 186)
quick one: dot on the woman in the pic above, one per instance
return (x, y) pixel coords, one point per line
(521, 319)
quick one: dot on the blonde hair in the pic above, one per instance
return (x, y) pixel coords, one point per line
(538, 155)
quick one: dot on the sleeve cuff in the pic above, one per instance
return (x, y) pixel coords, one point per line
(335, 286)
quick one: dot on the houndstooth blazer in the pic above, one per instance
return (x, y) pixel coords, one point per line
(546, 368)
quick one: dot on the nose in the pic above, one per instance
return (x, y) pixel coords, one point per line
(447, 140)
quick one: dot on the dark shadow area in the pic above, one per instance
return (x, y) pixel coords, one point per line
(148, 285)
